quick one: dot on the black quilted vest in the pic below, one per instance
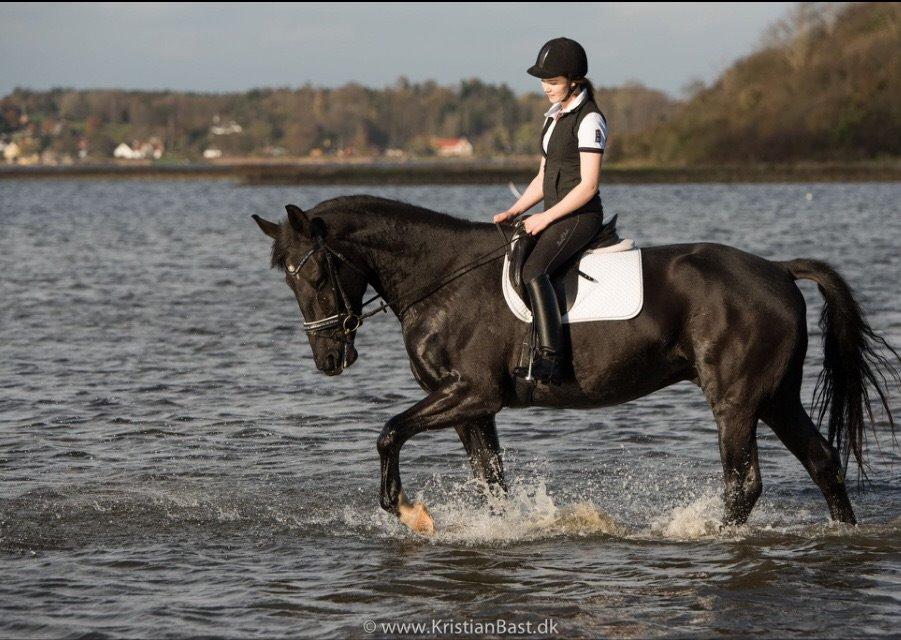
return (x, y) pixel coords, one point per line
(562, 166)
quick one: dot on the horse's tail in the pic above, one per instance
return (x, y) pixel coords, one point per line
(853, 366)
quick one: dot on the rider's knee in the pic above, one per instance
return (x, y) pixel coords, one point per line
(532, 271)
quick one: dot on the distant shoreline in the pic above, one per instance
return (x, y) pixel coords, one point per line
(455, 172)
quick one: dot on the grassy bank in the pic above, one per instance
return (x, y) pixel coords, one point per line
(459, 172)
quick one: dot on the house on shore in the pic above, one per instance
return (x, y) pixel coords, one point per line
(138, 150)
(125, 152)
(224, 129)
(452, 147)
(11, 152)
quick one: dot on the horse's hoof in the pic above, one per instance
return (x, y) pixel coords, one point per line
(417, 518)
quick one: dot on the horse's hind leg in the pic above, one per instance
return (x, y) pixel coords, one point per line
(741, 471)
(479, 437)
(797, 432)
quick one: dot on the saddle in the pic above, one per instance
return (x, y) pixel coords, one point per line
(522, 244)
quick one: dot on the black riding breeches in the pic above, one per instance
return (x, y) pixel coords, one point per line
(560, 241)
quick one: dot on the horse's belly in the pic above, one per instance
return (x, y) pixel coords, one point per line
(606, 373)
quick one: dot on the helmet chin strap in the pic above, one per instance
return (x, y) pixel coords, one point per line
(569, 91)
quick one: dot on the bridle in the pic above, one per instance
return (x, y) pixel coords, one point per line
(344, 320)
(344, 323)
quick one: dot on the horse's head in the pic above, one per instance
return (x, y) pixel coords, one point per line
(328, 289)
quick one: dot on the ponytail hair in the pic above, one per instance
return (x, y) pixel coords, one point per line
(585, 82)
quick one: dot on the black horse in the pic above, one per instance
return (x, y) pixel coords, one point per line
(731, 322)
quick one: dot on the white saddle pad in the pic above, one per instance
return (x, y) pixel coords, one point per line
(617, 294)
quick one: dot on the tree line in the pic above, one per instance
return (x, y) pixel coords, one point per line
(350, 120)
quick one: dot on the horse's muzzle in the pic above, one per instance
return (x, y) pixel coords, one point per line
(338, 360)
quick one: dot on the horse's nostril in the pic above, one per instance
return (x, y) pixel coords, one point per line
(331, 361)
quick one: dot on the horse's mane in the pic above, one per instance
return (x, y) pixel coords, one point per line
(386, 208)
(366, 206)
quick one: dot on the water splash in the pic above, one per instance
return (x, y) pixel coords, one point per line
(696, 520)
(529, 512)
(466, 514)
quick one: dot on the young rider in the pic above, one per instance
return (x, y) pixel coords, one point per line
(572, 145)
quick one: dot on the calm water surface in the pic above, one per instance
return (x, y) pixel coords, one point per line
(171, 464)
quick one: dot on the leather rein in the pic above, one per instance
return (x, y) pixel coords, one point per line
(344, 321)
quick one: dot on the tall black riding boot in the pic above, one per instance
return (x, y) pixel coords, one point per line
(546, 316)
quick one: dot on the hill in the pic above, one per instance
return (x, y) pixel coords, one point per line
(825, 85)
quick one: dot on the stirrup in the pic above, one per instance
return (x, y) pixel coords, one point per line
(543, 367)
(524, 372)
(546, 366)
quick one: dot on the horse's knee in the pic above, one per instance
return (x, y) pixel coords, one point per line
(387, 441)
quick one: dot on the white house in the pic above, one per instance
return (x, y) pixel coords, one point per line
(138, 150)
(219, 129)
(124, 152)
(11, 152)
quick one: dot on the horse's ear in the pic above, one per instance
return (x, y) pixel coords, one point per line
(298, 219)
(269, 228)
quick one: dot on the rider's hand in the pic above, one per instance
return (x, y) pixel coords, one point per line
(506, 215)
(537, 223)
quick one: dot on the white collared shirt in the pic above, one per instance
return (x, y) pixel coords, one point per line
(592, 130)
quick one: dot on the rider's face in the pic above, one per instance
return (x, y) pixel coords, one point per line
(555, 88)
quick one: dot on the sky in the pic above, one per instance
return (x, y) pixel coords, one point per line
(235, 47)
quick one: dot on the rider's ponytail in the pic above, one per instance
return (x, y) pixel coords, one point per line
(585, 82)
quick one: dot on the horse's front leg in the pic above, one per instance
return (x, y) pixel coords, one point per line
(479, 437)
(453, 404)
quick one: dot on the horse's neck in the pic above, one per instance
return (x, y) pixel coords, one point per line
(407, 256)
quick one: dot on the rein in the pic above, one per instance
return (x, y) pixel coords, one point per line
(344, 320)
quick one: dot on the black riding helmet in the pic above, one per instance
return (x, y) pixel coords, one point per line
(560, 57)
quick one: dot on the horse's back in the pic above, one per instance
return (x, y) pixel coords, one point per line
(709, 272)
(730, 306)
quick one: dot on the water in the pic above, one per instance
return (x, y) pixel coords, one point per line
(172, 465)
